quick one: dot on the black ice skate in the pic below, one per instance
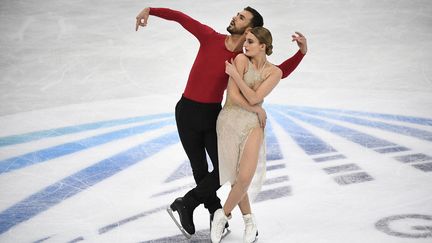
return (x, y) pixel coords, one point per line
(185, 214)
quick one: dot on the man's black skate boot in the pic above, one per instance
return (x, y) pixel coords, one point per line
(185, 213)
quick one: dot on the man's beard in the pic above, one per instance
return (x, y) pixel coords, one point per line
(234, 31)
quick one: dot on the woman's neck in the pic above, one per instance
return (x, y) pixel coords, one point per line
(259, 61)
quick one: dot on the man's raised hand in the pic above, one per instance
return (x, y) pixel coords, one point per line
(141, 18)
(301, 42)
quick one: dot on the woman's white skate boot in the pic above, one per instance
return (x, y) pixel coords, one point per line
(251, 231)
(218, 225)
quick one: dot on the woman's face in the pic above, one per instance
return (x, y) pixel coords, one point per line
(252, 47)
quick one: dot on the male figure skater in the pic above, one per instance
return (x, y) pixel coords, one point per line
(198, 108)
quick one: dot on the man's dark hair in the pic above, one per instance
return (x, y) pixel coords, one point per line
(257, 19)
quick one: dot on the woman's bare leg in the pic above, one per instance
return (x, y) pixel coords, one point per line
(248, 164)
(244, 205)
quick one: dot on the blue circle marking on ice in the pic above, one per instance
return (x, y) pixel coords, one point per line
(413, 225)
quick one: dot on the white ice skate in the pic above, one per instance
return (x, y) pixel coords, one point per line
(217, 229)
(251, 231)
(226, 230)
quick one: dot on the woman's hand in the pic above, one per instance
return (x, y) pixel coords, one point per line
(262, 116)
(231, 70)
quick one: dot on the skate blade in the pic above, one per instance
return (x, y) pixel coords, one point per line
(225, 233)
(184, 232)
(256, 239)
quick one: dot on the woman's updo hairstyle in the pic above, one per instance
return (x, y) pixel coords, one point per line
(264, 37)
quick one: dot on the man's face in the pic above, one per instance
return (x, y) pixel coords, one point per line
(239, 23)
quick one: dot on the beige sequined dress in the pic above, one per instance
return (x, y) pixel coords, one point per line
(233, 127)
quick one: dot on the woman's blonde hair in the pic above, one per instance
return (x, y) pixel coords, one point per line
(264, 37)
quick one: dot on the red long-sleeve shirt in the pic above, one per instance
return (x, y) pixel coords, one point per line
(207, 78)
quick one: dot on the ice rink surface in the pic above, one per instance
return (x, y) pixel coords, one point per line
(88, 144)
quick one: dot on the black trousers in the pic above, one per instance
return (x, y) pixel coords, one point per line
(196, 125)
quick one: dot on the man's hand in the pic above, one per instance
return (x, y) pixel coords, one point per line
(301, 42)
(141, 19)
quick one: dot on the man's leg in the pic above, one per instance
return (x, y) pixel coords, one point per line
(192, 139)
(193, 145)
(192, 122)
(205, 191)
(187, 204)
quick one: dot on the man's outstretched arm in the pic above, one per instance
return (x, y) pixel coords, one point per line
(200, 31)
(291, 64)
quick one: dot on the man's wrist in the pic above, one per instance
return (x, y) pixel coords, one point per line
(303, 51)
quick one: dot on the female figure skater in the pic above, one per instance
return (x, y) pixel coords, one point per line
(240, 130)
